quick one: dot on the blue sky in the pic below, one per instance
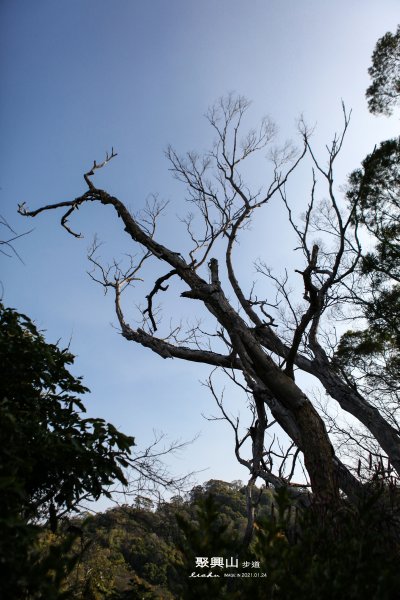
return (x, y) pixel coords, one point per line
(81, 76)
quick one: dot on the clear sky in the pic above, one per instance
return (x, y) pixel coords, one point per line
(80, 76)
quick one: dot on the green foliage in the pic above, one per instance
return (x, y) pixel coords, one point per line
(150, 553)
(347, 552)
(124, 556)
(384, 92)
(374, 192)
(50, 457)
(374, 196)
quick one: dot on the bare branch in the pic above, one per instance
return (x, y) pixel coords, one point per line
(265, 338)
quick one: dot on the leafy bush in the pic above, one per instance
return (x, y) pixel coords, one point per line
(50, 456)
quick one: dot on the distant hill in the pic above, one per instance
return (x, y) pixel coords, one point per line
(143, 551)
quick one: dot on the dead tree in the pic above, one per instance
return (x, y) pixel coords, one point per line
(264, 349)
